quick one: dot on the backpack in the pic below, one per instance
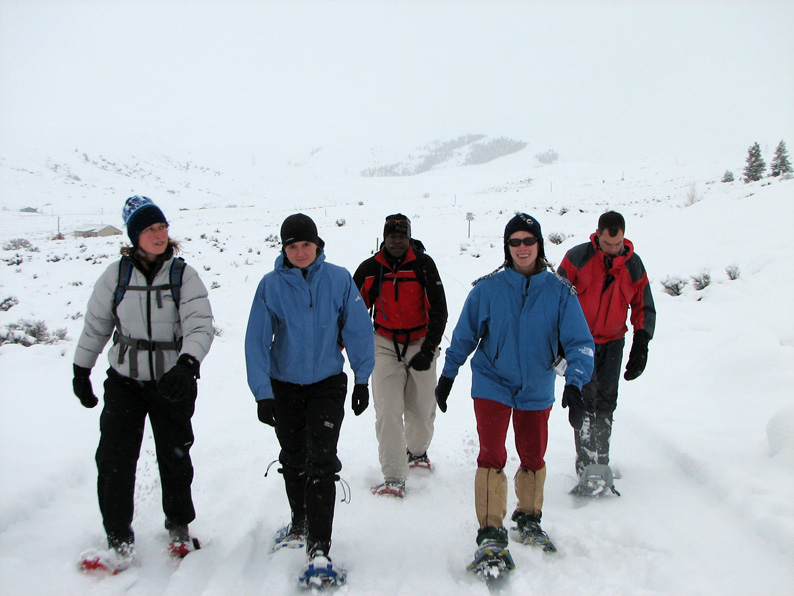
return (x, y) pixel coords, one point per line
(125, 274)
(134, 345)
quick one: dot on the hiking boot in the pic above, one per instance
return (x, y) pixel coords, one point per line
(290, 536)
(419, 461)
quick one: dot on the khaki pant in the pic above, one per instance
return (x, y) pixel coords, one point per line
(405, 406)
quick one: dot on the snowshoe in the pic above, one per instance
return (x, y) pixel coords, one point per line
(492, 561)
(290, 536)
(110, 560)
(528, 531)
(420, 462)
(392, 488)
(182, 548)
(320, 573)
(596, 480)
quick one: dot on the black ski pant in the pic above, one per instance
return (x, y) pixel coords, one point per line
(601, 399)
(127, 403)
(308, 421)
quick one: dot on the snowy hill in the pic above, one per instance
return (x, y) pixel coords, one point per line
(704, 439)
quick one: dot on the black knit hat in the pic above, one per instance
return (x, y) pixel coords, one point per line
(397, 224)
(299, 228)
(139, 213)
(527, 223)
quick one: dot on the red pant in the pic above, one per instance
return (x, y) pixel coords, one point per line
(531, 429)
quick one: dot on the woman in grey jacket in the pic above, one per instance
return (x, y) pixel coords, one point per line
(157, 310)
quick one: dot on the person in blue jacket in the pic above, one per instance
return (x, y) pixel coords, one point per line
(304, 313)
(516, 319)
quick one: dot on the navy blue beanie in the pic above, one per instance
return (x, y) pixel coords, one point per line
(139, 213)
(527, 223)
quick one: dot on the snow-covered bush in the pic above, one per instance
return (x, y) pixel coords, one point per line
(558, 237)
(547, 157)
(727, 176)
(732, 271)
(674, 285)
(702, 280)
(8, 303)
(28, 333)
(20, 244)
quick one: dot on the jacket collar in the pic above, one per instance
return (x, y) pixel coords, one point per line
(625, 255)
(283, 267)
(383, 258)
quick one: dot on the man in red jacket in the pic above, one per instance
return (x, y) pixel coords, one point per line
(401, 285)
(609, 278)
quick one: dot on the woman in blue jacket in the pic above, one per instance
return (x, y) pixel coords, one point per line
(516, 319)
(305, 312)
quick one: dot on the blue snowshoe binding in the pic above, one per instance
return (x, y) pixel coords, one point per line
(320, 573)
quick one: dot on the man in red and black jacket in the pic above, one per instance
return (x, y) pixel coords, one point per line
(402, 288)
(609, 278)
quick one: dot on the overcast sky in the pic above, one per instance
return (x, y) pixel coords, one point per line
(593, 79)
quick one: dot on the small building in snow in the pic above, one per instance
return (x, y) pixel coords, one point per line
(97, 230)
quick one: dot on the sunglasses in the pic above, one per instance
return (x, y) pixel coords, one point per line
(528, 241)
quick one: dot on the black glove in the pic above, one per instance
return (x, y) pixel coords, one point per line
(81, 385)
(442, 391)
(422, 360)
(572, 399)
(179, 383)
(360, 398)
(638, 356)
(264, 410)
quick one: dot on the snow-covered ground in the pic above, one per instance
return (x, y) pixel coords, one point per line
(704, 439)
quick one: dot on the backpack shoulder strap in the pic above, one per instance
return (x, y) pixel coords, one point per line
(177, 272)
(125, 273)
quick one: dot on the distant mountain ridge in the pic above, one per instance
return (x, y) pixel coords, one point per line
(466, 150)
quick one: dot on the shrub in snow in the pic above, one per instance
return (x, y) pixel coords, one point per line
(8, 303)
(28, 333)
(14, 261)
(727, 176)
(674, 285)
(340, 223)
(20, 244)
(692, 196)
(732, 271)
(702, 280)
(547, 157)
(558, 237)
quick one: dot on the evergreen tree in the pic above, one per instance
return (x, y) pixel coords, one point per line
(754, 170)
(780, 163)
(728, 176)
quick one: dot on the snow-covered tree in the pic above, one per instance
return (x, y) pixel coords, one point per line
(727, 176)
(754, 170)
(780, 163)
